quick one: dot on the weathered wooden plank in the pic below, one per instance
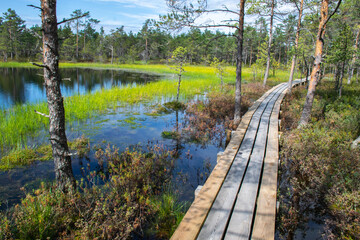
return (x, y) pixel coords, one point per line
(194, 218)
(239, 226)
(264, 225)
(217, 218)
(264, 222)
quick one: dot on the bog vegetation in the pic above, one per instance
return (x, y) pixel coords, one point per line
(130, 198)
(320, 168)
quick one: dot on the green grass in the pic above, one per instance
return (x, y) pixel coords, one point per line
(22, 156)
(20, 121)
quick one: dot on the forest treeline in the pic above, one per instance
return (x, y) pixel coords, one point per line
(80, 41)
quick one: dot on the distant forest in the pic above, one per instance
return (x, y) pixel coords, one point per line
(80, 41)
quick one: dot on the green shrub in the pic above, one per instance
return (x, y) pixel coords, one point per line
(323, 169)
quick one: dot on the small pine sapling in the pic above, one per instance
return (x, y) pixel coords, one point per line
(179, 58)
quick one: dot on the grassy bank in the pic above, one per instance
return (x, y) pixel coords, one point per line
(319, 167)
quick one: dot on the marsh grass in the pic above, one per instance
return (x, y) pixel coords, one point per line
(20, 122)
(22, 156)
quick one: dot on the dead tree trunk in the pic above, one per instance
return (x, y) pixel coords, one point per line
(315, 73)
(270, 42)
(62, 160)
(237, 115)
(296, 46)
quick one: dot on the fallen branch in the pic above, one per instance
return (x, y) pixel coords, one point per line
(42, 114)
(66, 79)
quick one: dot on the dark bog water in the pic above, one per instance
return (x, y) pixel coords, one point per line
(21, 85)
(122, 127)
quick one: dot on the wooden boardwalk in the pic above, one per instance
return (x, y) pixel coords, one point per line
(238, 200)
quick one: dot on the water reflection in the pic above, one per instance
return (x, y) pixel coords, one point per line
(20, 85)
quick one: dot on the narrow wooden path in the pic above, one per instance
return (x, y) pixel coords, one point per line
(238, 200)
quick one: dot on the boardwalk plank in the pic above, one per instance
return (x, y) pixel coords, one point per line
(194, 218)
(218, 216)
(241, 219)
(264, 223)
(197, 217)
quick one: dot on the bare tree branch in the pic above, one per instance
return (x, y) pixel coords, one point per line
(217, 26)
(337, 7)
(66, 79)
(39, 65)
(42, 114)
(72, 19)
(33, 6)
(221, 10)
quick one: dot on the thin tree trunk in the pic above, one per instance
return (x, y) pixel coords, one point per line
(291, 77)
(336, 78)
(63, 170)
(84, 44)
(112, 54)
(357, 75)
(146, 50)
(341, 78)
(77, 39)
(251, 53)
(237, 115)
(179, 82)
(270, 42)
(351, 72)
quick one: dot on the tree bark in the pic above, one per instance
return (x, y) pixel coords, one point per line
(296, 46)
(237, 115)
(63, 170)
(179, 82)
(341, 78)
(315, 73)
(351, 71)
(270, 42)
(77, 39)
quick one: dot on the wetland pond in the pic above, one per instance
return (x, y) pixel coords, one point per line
(123, 127)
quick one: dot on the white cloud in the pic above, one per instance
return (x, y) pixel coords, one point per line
(154, 4)
(141, 17)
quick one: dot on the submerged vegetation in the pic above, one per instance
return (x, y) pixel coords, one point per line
(130, 199)
(319, 165)
(25, 156)
(20, 122)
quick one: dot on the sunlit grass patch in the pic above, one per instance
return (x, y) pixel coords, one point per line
(20, 121)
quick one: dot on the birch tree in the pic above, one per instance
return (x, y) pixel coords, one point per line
(63, 170)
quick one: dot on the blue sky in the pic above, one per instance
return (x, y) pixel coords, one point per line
(116, 13)
(111, 13)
